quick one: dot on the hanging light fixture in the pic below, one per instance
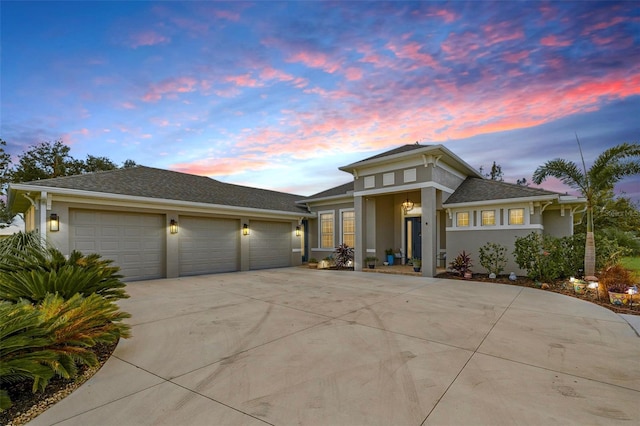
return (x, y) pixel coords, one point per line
(407, 205)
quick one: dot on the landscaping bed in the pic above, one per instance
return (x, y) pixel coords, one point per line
(558, 286)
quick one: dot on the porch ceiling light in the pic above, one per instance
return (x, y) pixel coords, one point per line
(173, 226)
(54, 223)
(407, 205)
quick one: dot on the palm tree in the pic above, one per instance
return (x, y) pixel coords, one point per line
(610, 166)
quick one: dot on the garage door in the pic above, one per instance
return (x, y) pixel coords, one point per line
(270, 245)
(208, 245)
(135, 242)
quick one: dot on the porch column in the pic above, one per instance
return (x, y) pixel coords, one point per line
(429, 232)
(360, 249)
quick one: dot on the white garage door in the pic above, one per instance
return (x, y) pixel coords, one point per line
(208, 245)
(270, 245)
(134, 241)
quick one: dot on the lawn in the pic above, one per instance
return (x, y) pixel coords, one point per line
(632, 263)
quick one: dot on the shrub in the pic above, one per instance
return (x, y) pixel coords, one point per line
(461, 264)
(616, 278)
(493, 257)
(31, 272)
(54, 337)
(541, 256)
(343, 256)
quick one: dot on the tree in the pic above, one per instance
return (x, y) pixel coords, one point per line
(5, 167)
(44, 161)
(129, 163)
(608, 168)
(97, 164)
(495, 173)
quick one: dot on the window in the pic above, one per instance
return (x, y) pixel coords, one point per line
(488, 217)
(462, 219)
(349, 228)
(516, 216)
(326, 230)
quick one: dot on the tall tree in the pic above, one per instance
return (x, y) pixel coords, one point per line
(494, 174)
(608, 168)
(44, 161)
(5, 168)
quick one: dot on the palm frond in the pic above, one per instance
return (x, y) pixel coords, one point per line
(566, 171)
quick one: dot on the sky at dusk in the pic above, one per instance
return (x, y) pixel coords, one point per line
(278, 95)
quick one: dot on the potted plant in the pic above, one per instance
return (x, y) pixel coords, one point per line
(417, 264)
(371, 261)
(462, 265)
(390, 255)
(313, 263)
(617, 280)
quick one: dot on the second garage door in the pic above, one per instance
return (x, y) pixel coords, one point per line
(208, 245)
(270, 245)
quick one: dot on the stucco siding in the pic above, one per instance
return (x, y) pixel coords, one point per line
(557, 225)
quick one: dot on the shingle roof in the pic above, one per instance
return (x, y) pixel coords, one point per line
(399, 150)
(150, 182)
(335, 191)
(475, 189)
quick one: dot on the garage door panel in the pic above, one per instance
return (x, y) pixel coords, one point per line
(134, 241)
(208, 245)
(270, 245)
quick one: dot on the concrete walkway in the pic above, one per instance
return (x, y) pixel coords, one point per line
(296, 346)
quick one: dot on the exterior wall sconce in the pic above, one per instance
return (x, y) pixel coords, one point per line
(54, 223)
(245, 229)
(297, 231)
(407, 205)
(173, 226)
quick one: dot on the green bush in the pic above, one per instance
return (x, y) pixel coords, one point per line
(493, 257)
(541, 256)
(31, 271)
(54, 337)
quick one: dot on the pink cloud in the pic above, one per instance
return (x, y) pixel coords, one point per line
(516, 57)
(500, 33)
(553, 41)
(147, 38)
(315, 60)
(244, 80)
(603, 25)
(127, 105)
(412, 51)
(446, 15)
(170, 88)
(269, 73)
(353, 73)
(220, 166)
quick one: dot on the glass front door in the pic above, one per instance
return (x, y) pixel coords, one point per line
(413, 237)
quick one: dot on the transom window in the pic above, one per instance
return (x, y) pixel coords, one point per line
(462, 219)
(488, 217)
(349, 228)
(516, 216)
(326, 230)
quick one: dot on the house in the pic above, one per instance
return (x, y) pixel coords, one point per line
(421, 200)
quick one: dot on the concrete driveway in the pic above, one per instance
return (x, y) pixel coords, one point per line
(295, 346)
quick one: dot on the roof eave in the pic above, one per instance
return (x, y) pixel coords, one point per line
(148, 200)
(549, 197)
(347, 197)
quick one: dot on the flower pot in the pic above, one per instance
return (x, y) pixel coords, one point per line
(385, 263)
(372, 266)
(416, 269)
(619, 299)
(468, 275)
(579, 288)
(313, 266)
(390, 259)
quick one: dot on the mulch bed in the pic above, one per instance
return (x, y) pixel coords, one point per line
(561, 286)
(27, 405)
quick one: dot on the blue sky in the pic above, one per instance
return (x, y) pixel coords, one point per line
(280, 94)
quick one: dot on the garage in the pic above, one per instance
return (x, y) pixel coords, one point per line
(134, 241)
(270, 245)
(208, 245)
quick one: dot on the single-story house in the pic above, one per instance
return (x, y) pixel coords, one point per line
(419, 200)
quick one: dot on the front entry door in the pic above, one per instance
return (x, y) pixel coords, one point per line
(412, 237)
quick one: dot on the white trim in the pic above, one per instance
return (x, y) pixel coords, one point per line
(371, 250)
(333, 244)
(404, 188)
(94, 196)
(351, 209)
(296, 250)
(502, 201)
(494, 228)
